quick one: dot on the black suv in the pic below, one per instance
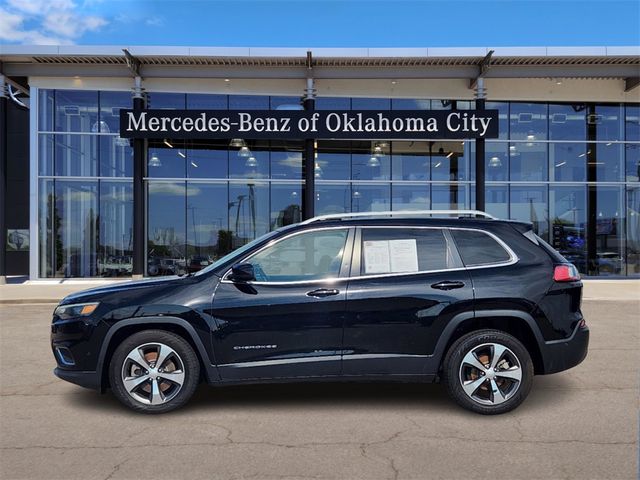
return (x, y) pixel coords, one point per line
(477, 303)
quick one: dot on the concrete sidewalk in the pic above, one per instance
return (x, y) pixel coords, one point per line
(52, 291)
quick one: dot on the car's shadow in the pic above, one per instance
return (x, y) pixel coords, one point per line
(343, 395)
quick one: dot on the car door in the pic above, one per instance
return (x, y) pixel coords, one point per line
(408, 283)
(287, 322)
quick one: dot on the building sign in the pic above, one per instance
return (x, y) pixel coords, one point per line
(365, 124)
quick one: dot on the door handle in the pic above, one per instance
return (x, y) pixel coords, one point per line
(323, 292)
(447, 285)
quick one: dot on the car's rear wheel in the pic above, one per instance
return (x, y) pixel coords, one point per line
(154, 371)
(488, 372)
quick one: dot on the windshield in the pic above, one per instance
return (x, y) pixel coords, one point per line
(241, 250)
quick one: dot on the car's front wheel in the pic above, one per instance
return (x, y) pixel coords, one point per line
(154, 371)
(488, 372)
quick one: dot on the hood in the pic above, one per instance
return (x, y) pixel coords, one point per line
(94, 294)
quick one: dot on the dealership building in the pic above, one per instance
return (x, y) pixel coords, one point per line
(148, 161)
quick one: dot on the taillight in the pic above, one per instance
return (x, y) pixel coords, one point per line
(565, 273)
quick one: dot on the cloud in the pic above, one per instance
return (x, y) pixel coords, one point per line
(154, 22)
(45, 22)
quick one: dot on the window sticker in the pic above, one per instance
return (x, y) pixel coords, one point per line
(390, 256)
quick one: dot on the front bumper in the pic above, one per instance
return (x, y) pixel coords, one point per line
(562, 355)
(84, 379)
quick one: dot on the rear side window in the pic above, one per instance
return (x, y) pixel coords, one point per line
(404, 250)
(479, 248)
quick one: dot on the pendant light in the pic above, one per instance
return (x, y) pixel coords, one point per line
(237, 143)
(244, 152)
(495, 162)
(373, 162)
(251, 162)
(154, 161)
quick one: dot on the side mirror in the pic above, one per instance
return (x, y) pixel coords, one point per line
(242, 272)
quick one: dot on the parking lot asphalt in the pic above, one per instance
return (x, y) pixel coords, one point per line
(580, 424)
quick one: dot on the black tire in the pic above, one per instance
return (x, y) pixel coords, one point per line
(453, 372)
(183, 354)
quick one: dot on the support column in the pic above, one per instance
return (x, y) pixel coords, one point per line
(481, 94)
(592, 197)
(309, 160)
(139, 197)
(3, 180)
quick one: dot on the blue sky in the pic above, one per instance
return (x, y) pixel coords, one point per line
(328, 23)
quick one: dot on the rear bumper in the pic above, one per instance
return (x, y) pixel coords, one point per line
(564, 354)
(84, 379)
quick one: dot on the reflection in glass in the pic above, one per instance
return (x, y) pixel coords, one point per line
(250, 161)
(449, 197)
(528, 161)
(208, 235)
(333, 103)
(169, 101)
(370, 160)
(76, 155)
(530, 204)
(567, 121)
(110, 105)
(332, 198)
(568, 220)
(116, 157)
(607, 121)
(200, 101)
(370, 198)
(503, 117)
(410, 160)
(248, 102)
(333, 161)
(607, 162)
(166, 159)
(46, 106)
(633, 231)
(207, 159)
(496, 161)
(76, 111)
(632, 156)
(496, 200)
(410, 197)
(609, 230)
(248, 210)
(46, 149)
(568, 162)
(48, 223)
(410, 104)
(370, 104)
(528, 121)
(76, 233)
(449, 160)
(286, 103)
(115, 252)
(286, 159)
(166, 228)
(632, 123)
(286, 205)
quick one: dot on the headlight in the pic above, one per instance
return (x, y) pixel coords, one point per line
(75, 310)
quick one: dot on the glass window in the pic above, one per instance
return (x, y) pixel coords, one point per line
(286, 159)
(46, 106)
(609, 231)
(207, 159)
(201, 101)
(332, 198)
(496, 161)
(503, 117)
(116, 156)
(528, 121)
(403, 250)
(286, 205)
(449, 197)
(441, 104)
(410, 161)
(208, 236)
(530, 204)
(250, 161)
(48, 222)
(632, 156)
(633, 231)
(168, 101)
(249, 212)
(370, 198)
(286, 103)
(76, 111)
(528, 161)
(46, 149)
(370, 161)
(479, 248)
(110, 105)
(410, 197)
(567, 121)
(166, 228)
(333, 160)
(371, 104)
(632, 123)
(568, 220)
(76, 155)
(607, 163)
(306, 256)
(115, 252)
(607, 121)
(166, 159)
(449, 160)
(410, 104)
(568, 162)
(248, 102)
(496, 200)
(333, 103)
(76, 228)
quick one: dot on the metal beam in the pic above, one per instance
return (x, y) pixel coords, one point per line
(483, 68)
(133, 63)
(630, 83)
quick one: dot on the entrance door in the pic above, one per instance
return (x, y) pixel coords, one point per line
(288, 322)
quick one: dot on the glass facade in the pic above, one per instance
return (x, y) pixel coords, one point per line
(572, 170)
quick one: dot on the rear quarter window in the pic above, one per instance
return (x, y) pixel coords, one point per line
(479, 248)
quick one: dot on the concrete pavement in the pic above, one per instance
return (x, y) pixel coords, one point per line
(579, 424)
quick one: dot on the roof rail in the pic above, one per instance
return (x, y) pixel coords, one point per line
(399, 213)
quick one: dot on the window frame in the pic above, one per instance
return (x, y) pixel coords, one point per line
(513, 258)
(345, 266)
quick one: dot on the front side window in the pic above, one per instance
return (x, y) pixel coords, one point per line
(404, 250)
(312, 255)
(478, 248)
